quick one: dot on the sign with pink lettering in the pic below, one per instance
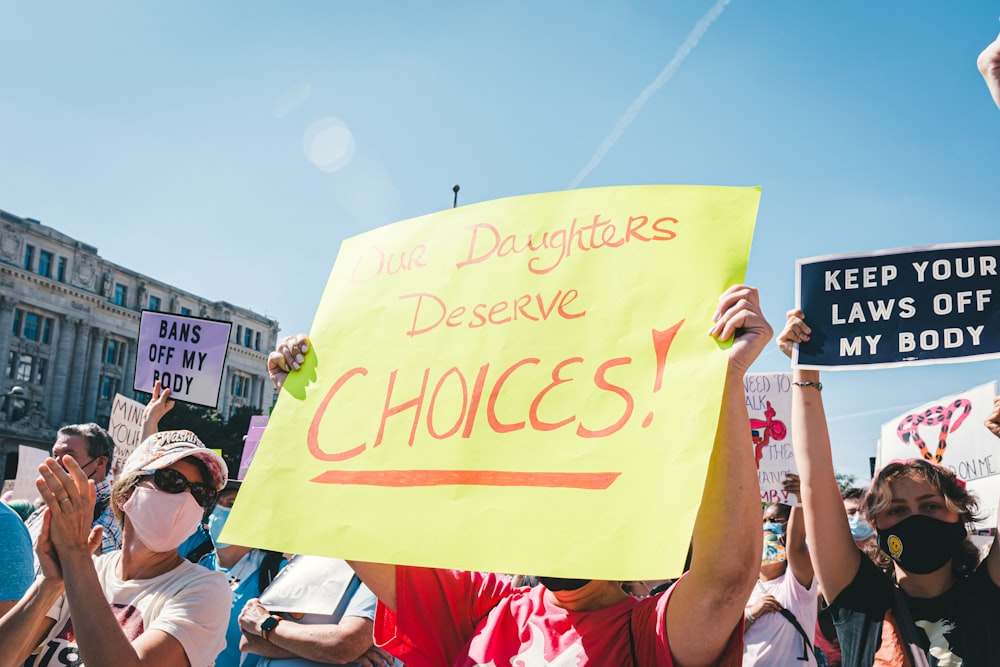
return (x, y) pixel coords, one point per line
(186, 354)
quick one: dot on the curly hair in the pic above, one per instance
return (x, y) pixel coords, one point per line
(956, 498)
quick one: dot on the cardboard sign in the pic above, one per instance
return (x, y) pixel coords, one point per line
(254, 433)
(125, 428)
(28, 460)
(769, 404)
(522, 385)
(900, 307)
(950, 431)
(186, 354)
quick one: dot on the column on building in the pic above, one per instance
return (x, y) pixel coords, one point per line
(224, 393)
(93, 374)
(128, 382)
(77, 373)
(255, 393)
(6, 325)
(59, 381)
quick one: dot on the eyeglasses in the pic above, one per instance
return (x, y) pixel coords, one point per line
(171, 481)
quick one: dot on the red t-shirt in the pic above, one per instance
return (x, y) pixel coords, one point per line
(450, 618)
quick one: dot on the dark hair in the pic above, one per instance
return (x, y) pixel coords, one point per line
(853, 493)
(784, 510)
(99, 442)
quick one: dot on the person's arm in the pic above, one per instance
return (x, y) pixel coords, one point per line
(835, 556)
(993, 559)
(707, 604)
(158, 406)
(24, 626)
(795, 543)
(288, 357)
(989, 66)
(69, 496)
(328, 643)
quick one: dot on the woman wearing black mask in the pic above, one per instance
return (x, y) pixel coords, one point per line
(932, 603)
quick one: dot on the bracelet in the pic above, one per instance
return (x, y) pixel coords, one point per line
(818, 385)
(749, 616)
(263, 633)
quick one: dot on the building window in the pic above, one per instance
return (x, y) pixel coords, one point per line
(31, 326)
(22, 366)
(256, 344)
(248, 337)
(109, 387)
(121, 292)
(185, 311)
(154, 303)
(239, 333)
(111, 351)
(61, 270)
(45, 263)
(29, 256)
(241, 386)
(41, 365)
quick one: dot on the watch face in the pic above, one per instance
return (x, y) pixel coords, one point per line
(269, 624)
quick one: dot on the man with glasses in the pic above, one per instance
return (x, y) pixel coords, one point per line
(93, 449)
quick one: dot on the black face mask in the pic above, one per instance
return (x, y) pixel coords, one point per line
(557, 584)
(83, 466)
(922, 544)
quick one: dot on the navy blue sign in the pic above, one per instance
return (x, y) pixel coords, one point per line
(898, 307)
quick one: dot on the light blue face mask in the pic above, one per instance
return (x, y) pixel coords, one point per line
(860, 529)
(774, 527)
(216, 522)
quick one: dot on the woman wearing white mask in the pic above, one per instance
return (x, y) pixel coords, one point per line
(143, 605)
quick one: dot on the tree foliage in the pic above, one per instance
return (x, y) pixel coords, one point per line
(846, 481)
(208, 425)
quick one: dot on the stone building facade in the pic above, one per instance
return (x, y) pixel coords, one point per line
(69, 325)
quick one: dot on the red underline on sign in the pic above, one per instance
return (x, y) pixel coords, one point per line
(408, 478)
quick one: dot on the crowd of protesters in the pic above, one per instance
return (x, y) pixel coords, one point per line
(132, 571)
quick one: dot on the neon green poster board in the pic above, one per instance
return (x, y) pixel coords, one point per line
(524, 386)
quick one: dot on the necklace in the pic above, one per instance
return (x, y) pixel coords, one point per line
(238, 571)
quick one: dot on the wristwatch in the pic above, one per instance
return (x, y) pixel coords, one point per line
(268, 624)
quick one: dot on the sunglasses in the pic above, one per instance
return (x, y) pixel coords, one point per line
(171, 481)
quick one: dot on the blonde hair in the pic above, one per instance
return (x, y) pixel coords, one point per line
(957, 499)
(121, 491)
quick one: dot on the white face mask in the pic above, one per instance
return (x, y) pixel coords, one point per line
(161, 520)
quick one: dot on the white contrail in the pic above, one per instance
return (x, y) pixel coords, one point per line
(891, 408)
(692, 41)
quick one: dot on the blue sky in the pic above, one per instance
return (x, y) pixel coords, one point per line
(174, 136)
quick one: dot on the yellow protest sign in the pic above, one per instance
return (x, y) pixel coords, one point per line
(523, 385)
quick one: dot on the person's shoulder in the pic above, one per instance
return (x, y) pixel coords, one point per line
(11, 523)
(980, 581)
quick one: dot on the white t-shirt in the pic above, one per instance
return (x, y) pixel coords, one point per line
(190, 603)
(772, 639)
